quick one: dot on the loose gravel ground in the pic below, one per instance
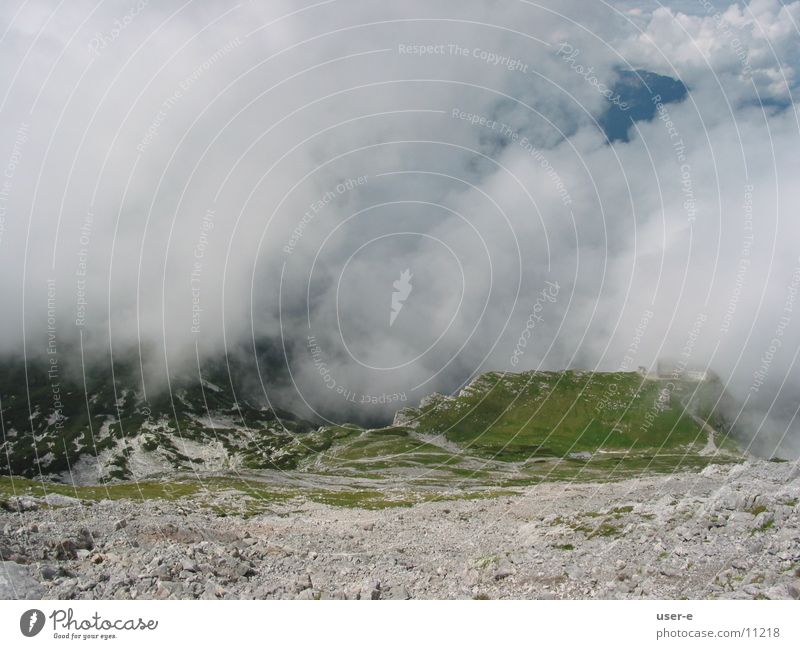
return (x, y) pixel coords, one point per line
(730, 531)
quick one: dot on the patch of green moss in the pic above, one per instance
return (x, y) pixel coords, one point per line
(764, 527)
(485, 562)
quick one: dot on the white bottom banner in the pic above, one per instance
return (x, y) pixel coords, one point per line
(400, 624)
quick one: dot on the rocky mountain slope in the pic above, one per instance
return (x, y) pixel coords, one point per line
(540, 484)
(729, 531)
(89, 430)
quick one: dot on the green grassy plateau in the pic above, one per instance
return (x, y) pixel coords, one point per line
(503, 431)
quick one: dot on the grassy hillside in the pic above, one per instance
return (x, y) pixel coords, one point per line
(503, 429)
(552, 414)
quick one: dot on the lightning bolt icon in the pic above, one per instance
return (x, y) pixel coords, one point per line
(33, 620)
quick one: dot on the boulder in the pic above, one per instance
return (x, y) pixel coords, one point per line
(22, 504)
(17, 582)
(59, 500)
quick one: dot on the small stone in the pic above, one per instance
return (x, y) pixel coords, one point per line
(48, 572)
(502, 570)
(65, 549)
(161, 571)
(85, 540)
(396, 592)
(303, 583)
(371, 589)
(244, 570)
(778, 592)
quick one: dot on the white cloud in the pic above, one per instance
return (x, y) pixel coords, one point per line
(176, 115)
